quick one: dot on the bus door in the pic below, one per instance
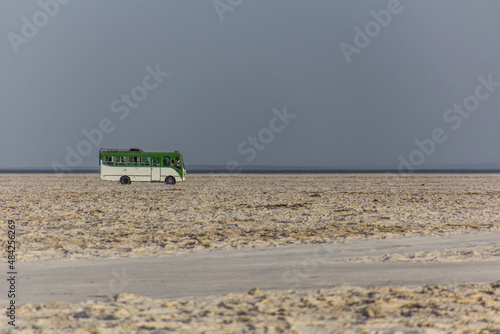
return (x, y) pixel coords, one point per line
(166, 165)
(177, 164)
(155, 170)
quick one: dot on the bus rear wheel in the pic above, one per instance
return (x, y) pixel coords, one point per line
(169, 180)
(125, 179)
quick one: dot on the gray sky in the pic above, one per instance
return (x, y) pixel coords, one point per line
(231, 62)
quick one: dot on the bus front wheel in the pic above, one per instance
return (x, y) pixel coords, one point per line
(169, 180)
(125, 179)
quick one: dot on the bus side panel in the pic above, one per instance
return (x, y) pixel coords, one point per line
(114, 173)
(109, 173)
(138, 173)
(169, 171)
(155, 174)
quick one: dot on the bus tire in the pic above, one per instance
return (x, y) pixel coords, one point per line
(125, 179)
(169, 180)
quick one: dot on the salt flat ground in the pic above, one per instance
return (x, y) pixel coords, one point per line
(63, 218)
(81, 217)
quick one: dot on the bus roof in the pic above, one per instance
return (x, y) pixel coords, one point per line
(132, 151)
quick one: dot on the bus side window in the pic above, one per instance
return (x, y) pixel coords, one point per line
(166, 161)
(156, 162)
(145, 161)
(108, 160)
(132, 161)
(122, 160)
(177, 162)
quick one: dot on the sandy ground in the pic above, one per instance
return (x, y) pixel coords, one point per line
(81, 217)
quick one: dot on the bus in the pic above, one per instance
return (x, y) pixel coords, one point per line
(134, 164)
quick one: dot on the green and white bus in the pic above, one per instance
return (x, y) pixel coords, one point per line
(136, 165)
